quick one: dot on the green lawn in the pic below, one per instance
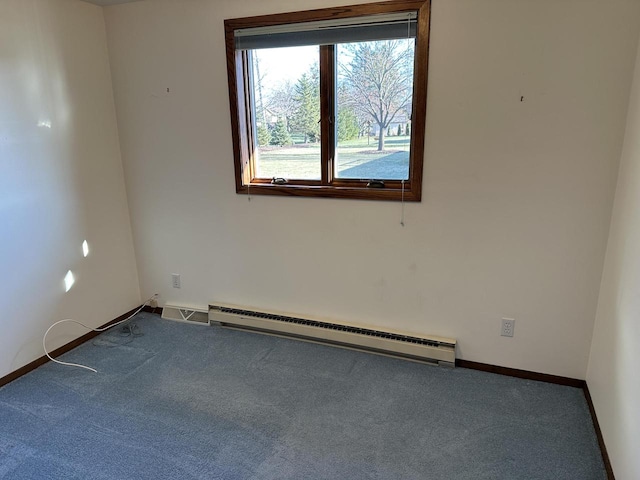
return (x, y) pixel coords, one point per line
(355, 159)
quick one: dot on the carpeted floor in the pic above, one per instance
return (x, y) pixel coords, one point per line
(199, 402)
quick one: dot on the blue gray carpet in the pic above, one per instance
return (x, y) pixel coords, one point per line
(199, 402)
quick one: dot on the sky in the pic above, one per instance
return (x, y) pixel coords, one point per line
(277, 65)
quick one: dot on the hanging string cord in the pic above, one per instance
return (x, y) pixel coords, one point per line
(101, 329)
(246, 166)
(402, 207)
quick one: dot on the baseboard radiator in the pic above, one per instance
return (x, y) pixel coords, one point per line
(435, 350)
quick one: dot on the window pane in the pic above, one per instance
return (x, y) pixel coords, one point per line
(286, 104)
(375, 86)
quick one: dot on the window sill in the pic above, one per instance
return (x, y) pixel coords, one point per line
(363, 193)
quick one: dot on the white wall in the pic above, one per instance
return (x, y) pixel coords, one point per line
(61, 178)
(614, 362)
(517, 195)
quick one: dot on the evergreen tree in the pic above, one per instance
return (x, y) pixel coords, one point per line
(280, 136)
(348, 128)
(407, 130)
(399, 130)
(263, 135)
(307, 98)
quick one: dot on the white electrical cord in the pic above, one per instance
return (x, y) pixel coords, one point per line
(102, 329)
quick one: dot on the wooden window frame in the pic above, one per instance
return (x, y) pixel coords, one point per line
(244, 145)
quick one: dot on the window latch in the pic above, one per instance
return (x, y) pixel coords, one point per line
(331, 120)
(375, 184)
(278, 181)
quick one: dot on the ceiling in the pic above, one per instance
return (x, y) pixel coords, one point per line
(109, 2)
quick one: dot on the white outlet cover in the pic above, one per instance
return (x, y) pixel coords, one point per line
(508, 327)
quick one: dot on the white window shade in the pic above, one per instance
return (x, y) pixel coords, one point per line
(329, 32)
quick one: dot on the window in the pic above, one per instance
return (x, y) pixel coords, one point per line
(330, 102)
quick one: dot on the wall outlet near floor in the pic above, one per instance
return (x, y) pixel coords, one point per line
(175, 280)
(508, 325)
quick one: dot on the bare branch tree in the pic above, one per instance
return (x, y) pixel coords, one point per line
(378, 79)
(258, 80)
(281, 103)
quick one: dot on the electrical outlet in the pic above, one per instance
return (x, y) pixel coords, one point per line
(175, 279)
(508, 325)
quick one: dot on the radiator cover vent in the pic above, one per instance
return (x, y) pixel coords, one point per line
(180, 313)
(431, 349)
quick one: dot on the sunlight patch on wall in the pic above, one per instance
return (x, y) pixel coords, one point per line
(69, 280)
